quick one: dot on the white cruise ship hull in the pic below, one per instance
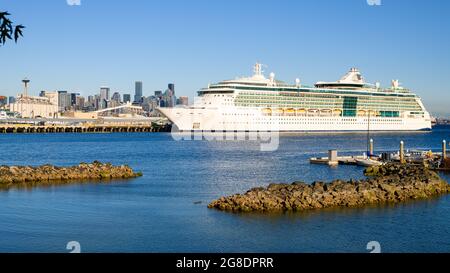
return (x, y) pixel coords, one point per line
(245, 119)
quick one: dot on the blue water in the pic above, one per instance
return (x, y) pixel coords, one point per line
(156, 213)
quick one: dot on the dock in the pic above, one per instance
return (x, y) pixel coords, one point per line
(82, 128)
(434, 160)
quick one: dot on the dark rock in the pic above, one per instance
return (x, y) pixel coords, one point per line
(48, 173)
(389, 183)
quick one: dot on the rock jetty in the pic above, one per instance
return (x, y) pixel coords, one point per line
(10, 175)
(390, 183)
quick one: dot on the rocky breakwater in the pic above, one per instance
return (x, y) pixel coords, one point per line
(385, 184)
(10, 175)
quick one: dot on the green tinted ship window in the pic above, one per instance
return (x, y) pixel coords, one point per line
(390, 114)
(350, 104)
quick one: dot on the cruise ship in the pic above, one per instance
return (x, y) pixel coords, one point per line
(258, 103)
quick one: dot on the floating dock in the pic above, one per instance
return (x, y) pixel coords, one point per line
(435, 160)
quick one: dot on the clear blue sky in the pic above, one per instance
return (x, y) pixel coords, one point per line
(194, 42)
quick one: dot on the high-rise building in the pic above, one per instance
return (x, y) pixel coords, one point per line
(169, 96)
(171, 87)
(126, 98)
(138, 91)
(116, 97)
(104, 93)
(64, 100)
(3, 100)
(80, 103)
(73, 99)
(158, 93)
(11, 99)
(91, 100)
(97, 103)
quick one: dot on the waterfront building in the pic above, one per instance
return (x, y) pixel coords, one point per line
(32, 107)
(138, 92)
(52, 96)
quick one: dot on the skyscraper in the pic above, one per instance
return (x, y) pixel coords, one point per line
(138, 91)
(126, 98)
(11, 99)
(73, 99)
(64, 100)
(116, 97)
(171, 87)
(104, 93)
(170, 95)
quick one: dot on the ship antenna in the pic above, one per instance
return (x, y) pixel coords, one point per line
(257, 69)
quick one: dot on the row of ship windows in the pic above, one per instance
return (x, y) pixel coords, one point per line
(327, 103)
(381, 120)
(324, 101)
(338, 93)
(272, 97)
(310, 123)
(380, 108)
(323, 98)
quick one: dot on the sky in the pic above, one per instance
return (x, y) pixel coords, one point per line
(195, 42)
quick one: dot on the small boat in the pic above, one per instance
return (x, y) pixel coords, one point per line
(367, 162)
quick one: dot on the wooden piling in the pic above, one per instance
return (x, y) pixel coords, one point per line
(444, 149)
(402, 152)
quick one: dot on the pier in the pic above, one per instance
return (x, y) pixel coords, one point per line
(435, 160)
(69, 126)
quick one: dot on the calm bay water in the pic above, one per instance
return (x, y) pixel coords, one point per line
(156, 213)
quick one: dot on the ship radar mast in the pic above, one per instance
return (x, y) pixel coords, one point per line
(257, 69)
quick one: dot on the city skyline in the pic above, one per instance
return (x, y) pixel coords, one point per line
(61, 52)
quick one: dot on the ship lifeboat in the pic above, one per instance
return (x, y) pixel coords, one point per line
(313, 112)
(362, 113)
(337, 112)
(290, 112)
(267, 111)
(279, 111)
(374, 113)
(326, 112)
(301, 112)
